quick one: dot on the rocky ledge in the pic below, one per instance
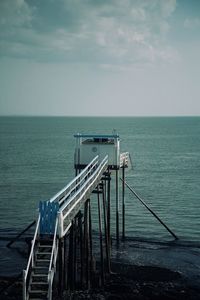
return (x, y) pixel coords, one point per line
(126, 282)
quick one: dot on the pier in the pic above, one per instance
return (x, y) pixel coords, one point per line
(62, 251)
(62, 246)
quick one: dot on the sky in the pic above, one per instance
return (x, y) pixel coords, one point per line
(100, 57)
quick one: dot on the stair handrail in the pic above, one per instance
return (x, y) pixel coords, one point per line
(30, 260)
(52, 264)
(78, 196)
(76, 184)
(58, 196)
(101, 165)
(54, 246)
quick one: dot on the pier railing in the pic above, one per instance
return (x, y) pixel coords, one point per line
(70, 200)
(70, 188)
(85, 183)
(27, 272)
(52, 264)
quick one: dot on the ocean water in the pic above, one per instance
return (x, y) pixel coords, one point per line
(36, 160)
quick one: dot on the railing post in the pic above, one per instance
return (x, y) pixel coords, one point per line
(60, 224)
(24, 284)
(50, 285)
(32, 260)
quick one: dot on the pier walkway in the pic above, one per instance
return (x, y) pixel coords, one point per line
(60, 217)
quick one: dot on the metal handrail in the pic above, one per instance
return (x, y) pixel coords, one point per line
(26, 271)
(60, 193)
(81, 188)
(52, 264)
(54, 244)
(73, 193)
(78, 184)
(82, 191)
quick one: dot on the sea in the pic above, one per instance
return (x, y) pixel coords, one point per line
(37, 160)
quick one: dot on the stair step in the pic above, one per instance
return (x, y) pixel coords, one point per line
(43, 253)
(43, 260)
(45, 245)
(39, 287)
(43, 292)
(44, 264)
(41, 269)
(31, 298)
(39, 275)
(39, 279)
(39, 283)
(46, 242)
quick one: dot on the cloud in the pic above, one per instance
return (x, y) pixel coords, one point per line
(103, 32)
(14, 14)
(192, 23)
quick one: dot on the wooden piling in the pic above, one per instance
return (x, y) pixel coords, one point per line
(117, 206)
(123, 203)
(105, 228)
(61, 265)
(80, 216)
(108, 206)
(86, 247)
(65, 262)
(71, 258)
(75, 253)
(92, 267)
(100, 240)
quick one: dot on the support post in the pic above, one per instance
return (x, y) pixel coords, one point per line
(86, 245)
(123, 203)
(75, 253)
(117, 206)
(61, 265)
(71, 258)
(101, 240)
(151, 211)
(65, 262)
(105, 227)
(92, 267)
(80, 216)
(108, 207)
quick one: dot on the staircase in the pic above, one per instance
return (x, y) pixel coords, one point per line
(38, 286)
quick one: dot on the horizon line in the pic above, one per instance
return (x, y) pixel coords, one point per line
(97, 116)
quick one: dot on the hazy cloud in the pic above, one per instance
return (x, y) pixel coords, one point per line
(192, 23)
(103, 32)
